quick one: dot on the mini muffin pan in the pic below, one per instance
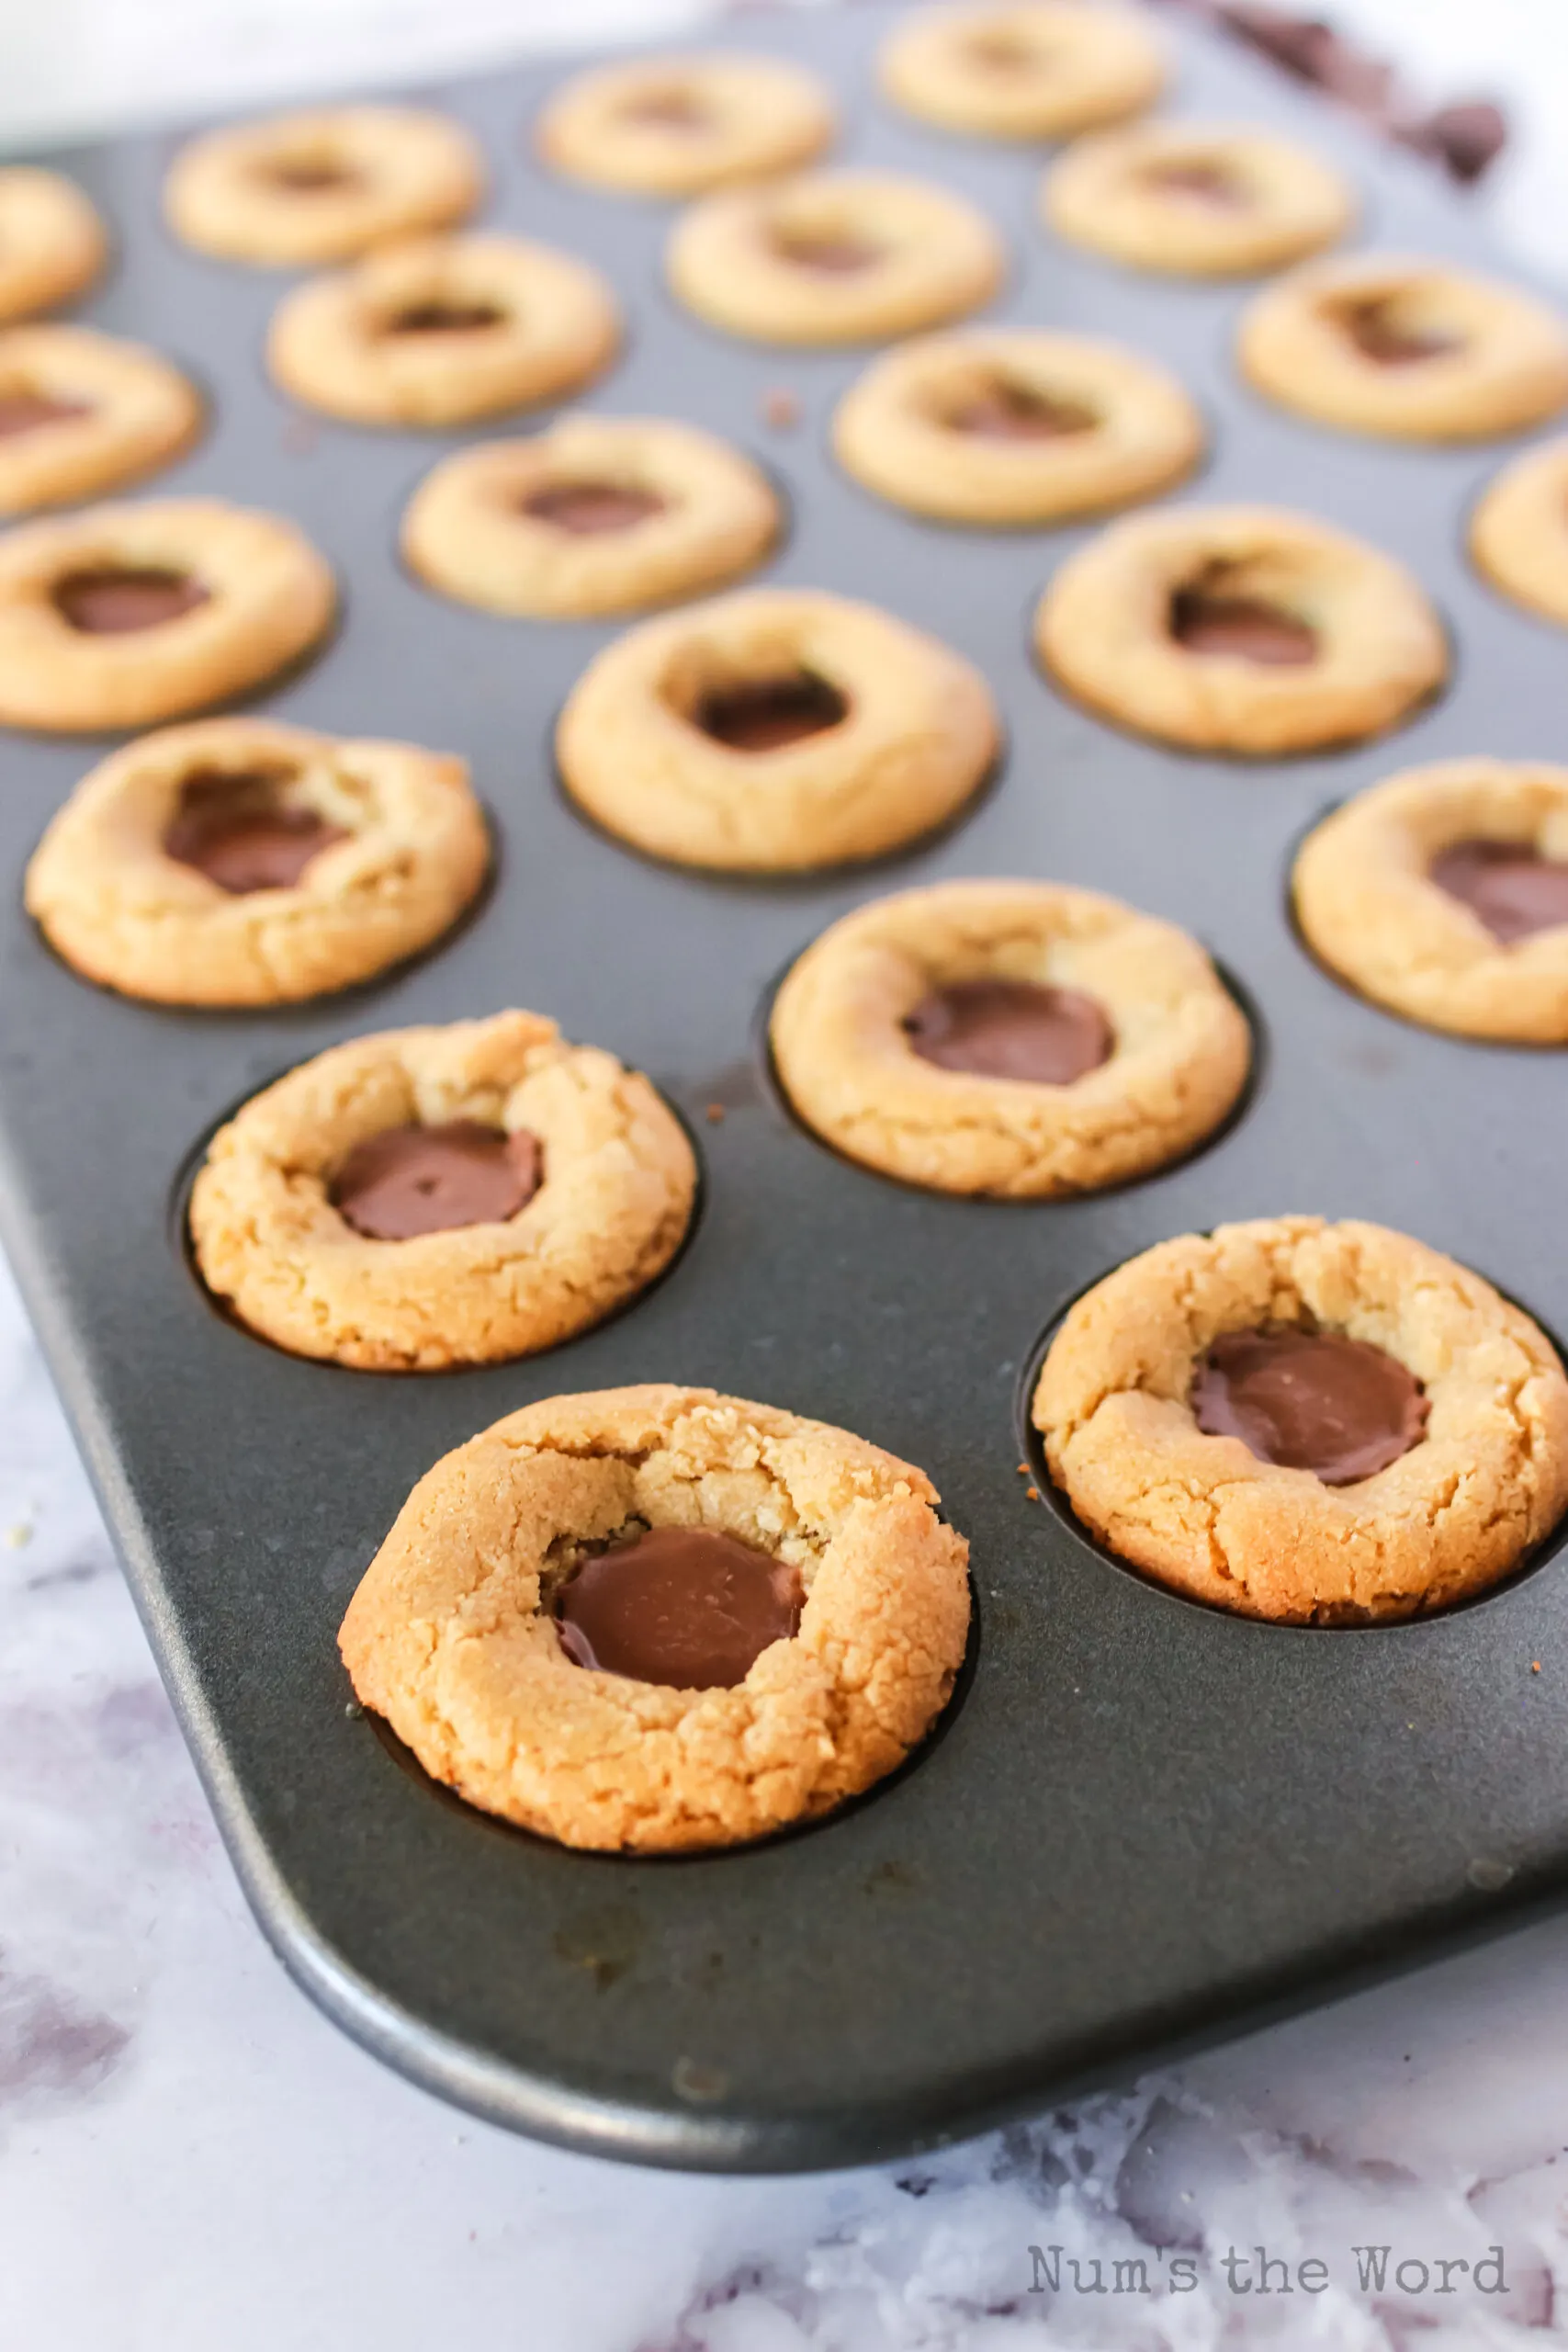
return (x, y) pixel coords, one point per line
(1142, 1825)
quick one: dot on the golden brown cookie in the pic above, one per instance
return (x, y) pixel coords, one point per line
(678, 126)
(429, 1197)
(124, 615)
(1018, 1038)
(440, 330)
(774, 731)
(1418, 350)
(595, 515)
(1196, 201)
(1456, 1392)
(837, 256)
(321, 185)
(239, 861)
(51, 241)
(1443, 895)
(83, 412)
(557, 1534)
(1518, 531)
(1016, 425)
(1022, 69)
(1240, 629)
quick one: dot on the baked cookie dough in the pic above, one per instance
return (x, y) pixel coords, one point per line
(123, 615)
(83, 412)
(1195, 200)
(1026, 68)
(429, 1197)
(51, 241)
(1443, 895)
(239, 861)
(444, 329)
(1024, 1039)
(1240, 629)
(1518, 532)
(1316, 1423)
(1417, 350)
(658, 1617)
(679, 126)
(323, 186)
(596, 514)
(836, 256)
(1016, 425)
(774, 731)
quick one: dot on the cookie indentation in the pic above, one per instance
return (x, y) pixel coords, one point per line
(1310, 1400)
(672, 109)
(683, 1606)
(308, 175)
(1209, 615)
(1198, 183)
(1005, 410)
(763, 714)
(585, 508)
(409, 1180)
(832, 253)
(25, 412)
(1513, 890)
(237, 830)
(1011, 1029)
(1382, 334)
(111, 600)
(445, 318)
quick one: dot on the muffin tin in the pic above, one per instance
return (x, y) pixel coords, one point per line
(1142, 1825)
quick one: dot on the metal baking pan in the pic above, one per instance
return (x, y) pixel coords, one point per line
(1142, 1825)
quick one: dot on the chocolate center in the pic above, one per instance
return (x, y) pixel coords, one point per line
(109, 600)
(1199, 182)
(585, 508)
(831, 255)
(671, 109)
(768, 712)
(1004, 53)
(1513, 890)
(308, 176)
(1006, 411)
(234, 830)
(1309, 1400)
(683, 1606)
(1011, 1029)
(409, 1180)
(436, 317)
(24, 412)
(1206, 617)
(1375, 329)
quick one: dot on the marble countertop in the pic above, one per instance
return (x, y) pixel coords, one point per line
(190, 2158)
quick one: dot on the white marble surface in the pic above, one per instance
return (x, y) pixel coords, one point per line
(192, 2161)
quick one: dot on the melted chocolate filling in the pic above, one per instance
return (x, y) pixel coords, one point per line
(671, 109)
(1309, 1400)
(1208, 184)
(768, 712)
(1207, 617)
(1375, 330)
(308, 177)
(585, 508)
(409, 1180)
(234, 830)
(833, 256)
(1001, 53)
(1005, 410)
(436, 317)
(25, 412)
(109, 600)
(1513, 890)
(682, 1606)
(1011, 1029)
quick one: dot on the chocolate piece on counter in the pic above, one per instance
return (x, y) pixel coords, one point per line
(1374, 328)
(1208, 621)
(586, 508)
(1513, 890)
(683, 1606)
(834, 257)
(1309, 1400)
(409, 1180)
(1006, 411)
(1011, 1029)
(763, 714)
(234, 830)
(1309, 48)
(112, 599)
(444, 318)
(24, 412)
(1466, 138)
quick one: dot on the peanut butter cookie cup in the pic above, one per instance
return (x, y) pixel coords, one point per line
(1240, 629)
(837, 256)
(1026, 68)
(1024, 1039)
(597, 515)
(1016, 425)
(51, 241)
(123, 615)
(655, 1619)
(321, 185)
(430, 1197)
(1196, 201)
(1323, 1424)
(239, 861)
(1416, 350)
(1518, 532)
(679, 126)
(444, 329)
(1443, 895)
(774, 731)
(83, 412)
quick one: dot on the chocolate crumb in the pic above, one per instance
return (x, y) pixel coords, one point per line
(781, 409)
(714, 1115)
